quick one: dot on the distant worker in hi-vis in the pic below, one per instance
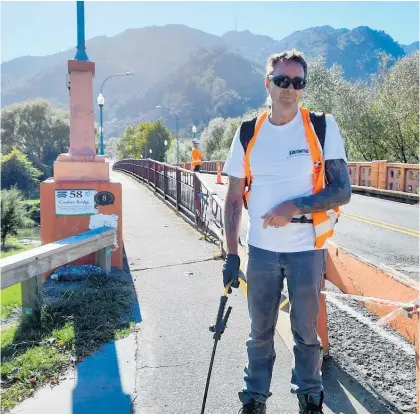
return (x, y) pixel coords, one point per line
(288, 168)
(196, 156)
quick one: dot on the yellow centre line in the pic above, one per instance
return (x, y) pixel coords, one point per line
(384, 225)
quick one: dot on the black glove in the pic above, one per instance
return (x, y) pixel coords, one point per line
(231, 271)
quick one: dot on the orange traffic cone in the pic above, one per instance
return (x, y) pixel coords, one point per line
(219, 174)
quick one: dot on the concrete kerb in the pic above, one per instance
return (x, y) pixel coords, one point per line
(399, 196)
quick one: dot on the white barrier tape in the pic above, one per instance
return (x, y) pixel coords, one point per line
(370, 299)
(388, 318)
(408, 308)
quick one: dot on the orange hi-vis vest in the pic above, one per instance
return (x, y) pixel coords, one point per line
(323, 221)
(196, 157)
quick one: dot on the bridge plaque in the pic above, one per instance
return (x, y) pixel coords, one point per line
(104, 198)
(75, 202)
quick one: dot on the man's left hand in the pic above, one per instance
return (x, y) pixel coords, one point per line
(281, 215)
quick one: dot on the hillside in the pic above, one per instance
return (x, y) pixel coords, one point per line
(206, 86)
(32, 77)
(355, 50)
(412, 48)
(199, 74)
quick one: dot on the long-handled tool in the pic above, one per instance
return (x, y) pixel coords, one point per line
(218, 330)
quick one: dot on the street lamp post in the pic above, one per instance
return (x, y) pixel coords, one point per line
(194, 131)
(166, 147)
(177, 129)
(81, 46)
(101, 102)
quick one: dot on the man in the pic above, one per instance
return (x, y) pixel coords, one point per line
(196, 156)
(292, 190)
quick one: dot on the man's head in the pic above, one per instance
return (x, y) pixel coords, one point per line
(285, 79)
(196, 143)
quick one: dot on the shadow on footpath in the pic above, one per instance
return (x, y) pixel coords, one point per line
(99, 387)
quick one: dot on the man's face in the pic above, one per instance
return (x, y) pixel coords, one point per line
(286, 98)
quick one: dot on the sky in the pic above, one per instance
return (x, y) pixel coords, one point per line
(41, 28)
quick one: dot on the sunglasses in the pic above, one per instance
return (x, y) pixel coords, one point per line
(283, 81)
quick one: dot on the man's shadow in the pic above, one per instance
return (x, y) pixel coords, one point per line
(105, 383)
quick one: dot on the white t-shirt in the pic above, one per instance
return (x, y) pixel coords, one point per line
(281, 167)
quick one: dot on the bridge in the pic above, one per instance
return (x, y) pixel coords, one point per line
(173, 237)
(161, 227)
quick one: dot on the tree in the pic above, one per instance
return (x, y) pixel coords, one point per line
(217, 138)
(212, 136)
(360, 123)
(398, 105)
(138, 140)
(379, 119)
(111, 148)
(185, 148)
(324, 86)
(131, 143)
(156, 134)
(17, 170)
(38, 130)
(13, 214)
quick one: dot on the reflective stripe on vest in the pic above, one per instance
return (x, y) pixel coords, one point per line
(323, 221)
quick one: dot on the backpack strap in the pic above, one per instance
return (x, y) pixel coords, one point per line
(247, 135)
(320, 126)
(317, 119)
(247, 132)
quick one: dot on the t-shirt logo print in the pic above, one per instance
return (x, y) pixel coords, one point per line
(297, 152)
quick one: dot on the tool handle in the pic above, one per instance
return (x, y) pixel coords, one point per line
(219, 319)
(225, 319)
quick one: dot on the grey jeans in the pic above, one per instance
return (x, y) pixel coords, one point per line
(265, 275)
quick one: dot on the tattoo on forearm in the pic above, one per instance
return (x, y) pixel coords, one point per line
(233, 212)
(336, 193)
(232, 215)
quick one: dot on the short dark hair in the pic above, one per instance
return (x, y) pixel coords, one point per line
(288, 56)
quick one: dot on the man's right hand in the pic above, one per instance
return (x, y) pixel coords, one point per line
(231, 271)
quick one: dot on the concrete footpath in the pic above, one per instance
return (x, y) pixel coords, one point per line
(162, 367)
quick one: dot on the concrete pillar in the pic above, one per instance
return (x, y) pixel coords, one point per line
(378, 177)
(70, 201)
(403, 174)
(357, 174)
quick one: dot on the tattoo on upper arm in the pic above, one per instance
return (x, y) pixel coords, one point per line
(336, 172)
(336, 193)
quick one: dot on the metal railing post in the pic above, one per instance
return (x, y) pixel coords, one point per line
(154, 175)
(178, 187)
(197, 202)
(165, 182)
